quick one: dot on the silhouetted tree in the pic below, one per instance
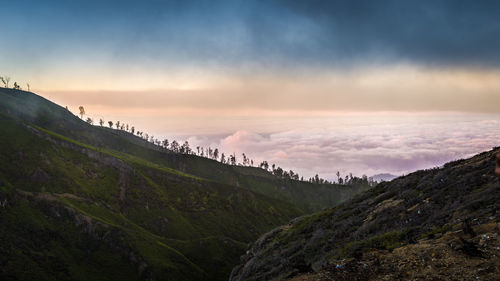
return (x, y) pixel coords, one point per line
(216, 153)
(16, 86)
(185, 148)
(110, 123)
(278, 172)
(5, 80)
(101, 122)
(223, 158)
(132, 130)
(90, 121)
(82, 111)
(27, 84)
(174, 146)
(117, 124)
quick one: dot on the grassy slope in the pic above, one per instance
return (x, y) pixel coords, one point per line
(45, 114)
(406, 211)
(64, 216)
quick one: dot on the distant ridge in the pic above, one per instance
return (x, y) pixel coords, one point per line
(383, 177)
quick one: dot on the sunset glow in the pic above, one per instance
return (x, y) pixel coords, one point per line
(245, 75)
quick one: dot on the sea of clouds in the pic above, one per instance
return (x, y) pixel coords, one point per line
(366, 144)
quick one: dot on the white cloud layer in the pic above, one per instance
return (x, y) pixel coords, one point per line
(363, 144)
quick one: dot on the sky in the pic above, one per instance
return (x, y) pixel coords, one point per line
(314, 86)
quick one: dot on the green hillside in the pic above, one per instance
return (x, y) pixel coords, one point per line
(82, 202)
(43, 113)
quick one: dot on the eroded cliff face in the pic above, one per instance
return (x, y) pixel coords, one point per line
(396, 230)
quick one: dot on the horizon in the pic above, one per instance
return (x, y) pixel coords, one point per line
(315, 87)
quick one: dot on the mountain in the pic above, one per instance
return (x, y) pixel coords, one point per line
(383, 177)
(437, 224)
(83, 202)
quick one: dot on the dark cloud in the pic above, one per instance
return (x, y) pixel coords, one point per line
(261, 33)
(426, 32)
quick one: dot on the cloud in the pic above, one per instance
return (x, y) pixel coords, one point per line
(399, 88)
(253, 35)
(344, 32)
(370, 145)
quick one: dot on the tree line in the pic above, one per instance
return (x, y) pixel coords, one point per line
(5, 80)
(229, 159)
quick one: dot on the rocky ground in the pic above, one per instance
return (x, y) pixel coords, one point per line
(452, 256)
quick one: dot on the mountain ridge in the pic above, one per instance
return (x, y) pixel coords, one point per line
(82, 202)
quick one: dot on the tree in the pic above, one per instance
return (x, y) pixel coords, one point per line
(101, 122)
(264, 165)
(223, 158)
(82, 111)
(174, 146)
(132, 130)
(185, 148)
(126, 127)
(16, 86)
(216, 153)
(117, 124)
(338, 176)
(278, 172)
(110, 123)
(28, 84)
(165, 143)
(90, 121)
(5, 80)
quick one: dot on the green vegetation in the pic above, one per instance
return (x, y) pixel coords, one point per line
(83, 202)
(387, 241)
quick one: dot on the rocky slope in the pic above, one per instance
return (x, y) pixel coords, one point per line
(437, 224)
